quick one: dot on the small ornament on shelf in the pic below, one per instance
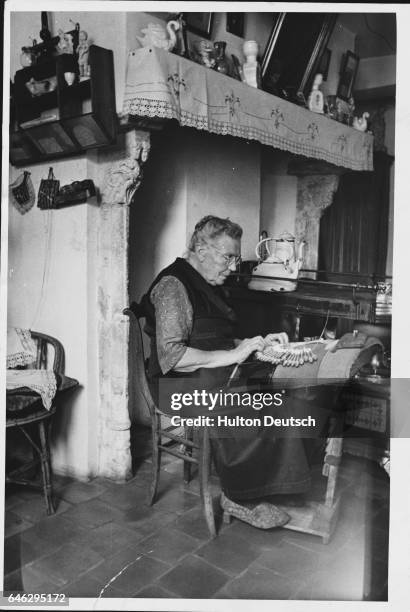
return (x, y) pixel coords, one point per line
(315, 100)
(83, 52)
(360, 123)
(27, 57)
(250, 68)
(206, 53)
(221, 63)
(65, 43)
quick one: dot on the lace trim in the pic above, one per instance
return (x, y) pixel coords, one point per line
(167, 110)
(21, 338)
(42, 382)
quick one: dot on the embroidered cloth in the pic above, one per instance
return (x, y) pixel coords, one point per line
(42, 382)
(21, 348)
(161, 84)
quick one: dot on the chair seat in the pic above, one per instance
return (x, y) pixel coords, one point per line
(23, 401)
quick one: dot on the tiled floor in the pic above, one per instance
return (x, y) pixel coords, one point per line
(106, 541)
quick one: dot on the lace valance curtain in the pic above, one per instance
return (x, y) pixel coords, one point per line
(161, 84)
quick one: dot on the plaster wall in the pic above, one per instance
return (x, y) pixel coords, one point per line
(51, 289)
(376, 72)
(278, 195)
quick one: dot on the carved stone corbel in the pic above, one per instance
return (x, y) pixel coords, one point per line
(314, 194)
(125, 176)
(317, 184)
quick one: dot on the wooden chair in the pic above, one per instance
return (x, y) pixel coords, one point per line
(25, 411)
(192, 439)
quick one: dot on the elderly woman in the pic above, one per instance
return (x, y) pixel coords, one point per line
(192, 339)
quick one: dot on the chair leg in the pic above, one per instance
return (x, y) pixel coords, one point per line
(46, 466)
(188, 451)
(156, 456)
(204, 471)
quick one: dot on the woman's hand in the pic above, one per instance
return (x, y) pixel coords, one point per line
(246, 347)
(280, 338)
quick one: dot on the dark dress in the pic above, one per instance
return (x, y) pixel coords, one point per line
(250, 463)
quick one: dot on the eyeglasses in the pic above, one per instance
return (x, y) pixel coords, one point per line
(229, 259)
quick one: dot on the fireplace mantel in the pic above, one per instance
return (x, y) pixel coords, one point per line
(160, 84)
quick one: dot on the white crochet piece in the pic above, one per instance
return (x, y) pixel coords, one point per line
(293, 354)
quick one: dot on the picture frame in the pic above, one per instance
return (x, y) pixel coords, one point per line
(235, 24)
(287, 70)
(199, 23)
(348, 72)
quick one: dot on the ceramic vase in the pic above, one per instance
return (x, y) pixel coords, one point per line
(221, 63)
(251, 71)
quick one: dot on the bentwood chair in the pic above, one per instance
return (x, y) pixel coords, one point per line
(192, 445)
(26, 413)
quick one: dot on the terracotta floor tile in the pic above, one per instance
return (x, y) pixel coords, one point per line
(193, 523)
(76, 492)
(13, 523)
(108, 539)
(33, 581)
(193, 578)
(177, 501)
(232, 555)
(129, 571)
(11, 496)
(83, 587)
(19, 550)
(91, 514)
(154, 591)
(289, 560)
(259, 583)
(53, 530)
(108, 528)
(68, 563)
(35, 510)
(144, 520)
(168, 545)
(124, 497)
(264, 539)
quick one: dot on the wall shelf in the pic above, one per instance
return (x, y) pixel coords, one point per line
(81, 116)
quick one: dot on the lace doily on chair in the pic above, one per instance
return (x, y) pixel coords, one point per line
(42, 382)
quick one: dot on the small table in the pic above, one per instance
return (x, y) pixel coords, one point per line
(24, 408)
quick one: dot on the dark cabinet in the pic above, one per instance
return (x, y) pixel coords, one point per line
(66, 119)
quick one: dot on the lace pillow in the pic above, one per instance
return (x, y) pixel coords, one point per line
(21, 348)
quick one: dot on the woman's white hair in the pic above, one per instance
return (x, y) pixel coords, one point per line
(211, 227)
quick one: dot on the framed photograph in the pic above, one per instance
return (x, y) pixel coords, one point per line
(288, 69)
(350, 64)
(235, 23)
(199, 23)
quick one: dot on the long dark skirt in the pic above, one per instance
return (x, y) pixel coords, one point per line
(254, 462)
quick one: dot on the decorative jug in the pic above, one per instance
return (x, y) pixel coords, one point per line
(155, 35)
(282, 264)
(221, 64)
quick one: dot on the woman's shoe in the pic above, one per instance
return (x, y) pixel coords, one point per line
(263, 516)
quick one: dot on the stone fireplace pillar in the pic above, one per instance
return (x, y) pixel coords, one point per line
(120, 171)
(317, 184)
